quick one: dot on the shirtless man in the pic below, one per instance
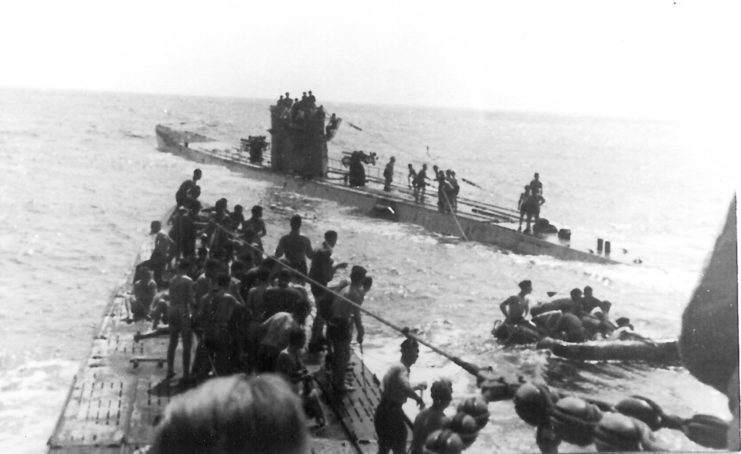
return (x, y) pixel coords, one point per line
(283, 297)
(420, 184)
(295, 247)
(186, 189)
(218, 320)
(536, 186)
(339, 326)
(291, 366)
(411, 176)
(144, 292)
(389, 419)
(182, 301)
(254, 227)
(431, 419)
(516, 308)
(530, 208)
(160, 252)
(322, 270)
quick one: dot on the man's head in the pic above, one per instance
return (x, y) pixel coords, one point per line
(367, 283)
(197, 174)
(257, 211)
(441, 393)
(288, 95)
(409, 351)
(575, 294)
(587, 291)
(262, 275)
(284, 278)
(297, 338)
(330, 236)
(223, 281)
(536, 176)
(526, 286)
(624, 321)
(212, 268)
(357, 274)
(295, 222)
(393, 159)
(234, 414)
(238, 209)
(155, 227)
(238, 268)
(410, 166)
(184, 265)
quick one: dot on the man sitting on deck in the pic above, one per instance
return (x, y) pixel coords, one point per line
(144, 292)
(296, 247)
(291, 366)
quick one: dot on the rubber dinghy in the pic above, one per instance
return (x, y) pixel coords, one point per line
(664, 351)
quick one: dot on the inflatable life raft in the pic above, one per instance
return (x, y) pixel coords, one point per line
(515, 334)
(664, 351)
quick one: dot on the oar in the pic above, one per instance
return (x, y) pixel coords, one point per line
(353, 126)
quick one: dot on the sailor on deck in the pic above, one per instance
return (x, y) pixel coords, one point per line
(389, 417)
(295, 247)
(388, 174)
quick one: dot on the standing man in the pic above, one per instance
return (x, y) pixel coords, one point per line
(322, 271)
(254, 228)
(339, 326)
(411, 176)
(182, 300)
(389, 417)
(296, 247)
(420, 184)
(530, 208)
(187, 188)
(160, 251)
(388, 174)
(536, 186)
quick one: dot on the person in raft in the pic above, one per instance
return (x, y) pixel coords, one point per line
(516, 308)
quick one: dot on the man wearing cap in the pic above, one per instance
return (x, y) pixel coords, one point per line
(431, 419)
(389, 417)
(339, 325)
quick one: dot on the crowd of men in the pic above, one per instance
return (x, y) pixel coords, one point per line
(297, 110)
(247, 311)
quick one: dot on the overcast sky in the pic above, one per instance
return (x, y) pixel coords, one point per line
(646, 57)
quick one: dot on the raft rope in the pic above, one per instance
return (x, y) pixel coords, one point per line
(628, 425)
(455, 216)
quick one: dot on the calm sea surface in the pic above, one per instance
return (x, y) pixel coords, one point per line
(82, 179)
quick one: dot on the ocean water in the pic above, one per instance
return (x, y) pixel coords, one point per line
(82, 179)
